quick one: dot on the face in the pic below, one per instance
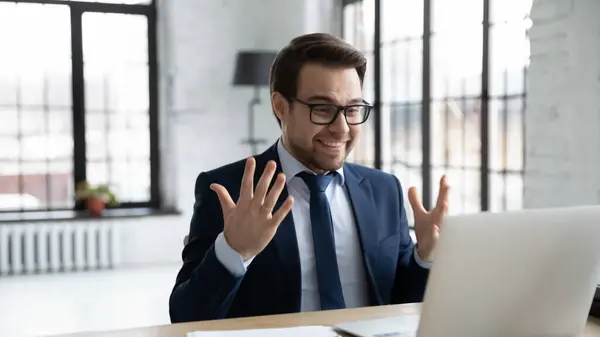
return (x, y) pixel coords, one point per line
(320, 147)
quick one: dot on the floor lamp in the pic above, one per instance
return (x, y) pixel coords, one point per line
(252, 69)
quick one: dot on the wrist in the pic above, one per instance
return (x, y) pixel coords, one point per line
(424, 253)
(245, 256)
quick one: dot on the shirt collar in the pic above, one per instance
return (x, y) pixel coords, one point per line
(291, 166)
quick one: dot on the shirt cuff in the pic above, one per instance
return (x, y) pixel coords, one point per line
(230, 259)
(423, 264)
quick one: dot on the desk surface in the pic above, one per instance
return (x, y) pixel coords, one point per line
(328, 318)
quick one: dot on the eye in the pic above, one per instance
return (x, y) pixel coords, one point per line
(353, 110)
(325, 109)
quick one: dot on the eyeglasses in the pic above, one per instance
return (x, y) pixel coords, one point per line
(325, 114)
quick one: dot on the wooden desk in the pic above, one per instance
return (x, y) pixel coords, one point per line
(328, 318)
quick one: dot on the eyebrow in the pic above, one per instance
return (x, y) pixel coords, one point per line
(329, 100)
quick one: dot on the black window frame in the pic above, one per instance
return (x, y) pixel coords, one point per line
(77, 9)
(427, 100)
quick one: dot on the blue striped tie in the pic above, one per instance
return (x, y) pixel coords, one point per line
(328, 276)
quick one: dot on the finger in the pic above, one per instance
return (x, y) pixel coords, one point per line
(227, 203)
(415, 203)
(282, 212)
(247, 187)
(263, 184)
(436, 232)
(274, 193)
(443, 192)
(439, 213)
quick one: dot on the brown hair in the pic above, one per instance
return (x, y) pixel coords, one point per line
(312, 48)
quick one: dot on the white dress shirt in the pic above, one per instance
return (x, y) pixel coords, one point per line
(347, 245)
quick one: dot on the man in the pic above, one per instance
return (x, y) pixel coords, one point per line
(345, 242)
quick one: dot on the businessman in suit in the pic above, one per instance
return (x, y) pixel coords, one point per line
(296, 228)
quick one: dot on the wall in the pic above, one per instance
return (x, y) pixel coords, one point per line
(563, 105)
(203, 116)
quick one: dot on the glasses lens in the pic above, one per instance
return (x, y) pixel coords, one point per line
(357, 114)
(323, 114)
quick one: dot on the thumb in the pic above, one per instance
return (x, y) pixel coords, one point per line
(227, 203)
(415, 203)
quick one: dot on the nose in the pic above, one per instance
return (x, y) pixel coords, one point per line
(340, 125)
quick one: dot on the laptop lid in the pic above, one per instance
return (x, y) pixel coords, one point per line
(519, 273)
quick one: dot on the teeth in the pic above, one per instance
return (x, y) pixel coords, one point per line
(331, 143)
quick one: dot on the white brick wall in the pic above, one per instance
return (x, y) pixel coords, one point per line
(563, 105)
(203, 117)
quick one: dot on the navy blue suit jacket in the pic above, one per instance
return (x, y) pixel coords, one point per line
(206, 290)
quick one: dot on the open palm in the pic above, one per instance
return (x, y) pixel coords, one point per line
(427, 223)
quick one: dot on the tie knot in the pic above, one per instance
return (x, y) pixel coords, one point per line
(316, 183)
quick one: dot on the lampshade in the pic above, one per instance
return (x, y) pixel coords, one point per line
(252, 67)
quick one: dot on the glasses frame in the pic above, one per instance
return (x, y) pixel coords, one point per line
(339, 109)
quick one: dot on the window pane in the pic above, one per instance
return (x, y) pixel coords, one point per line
(405, 144)
(456, 48)
(405, 135)
(456, 124)
(401, 19)
(516, 134)
(509, 57)
(10, 123)
(358, 27)
(115, 54)
(358, 30)
(452, 17)
(36, 144)
(456, 63)
(36, 56)
(507, 134)
(133, 190)
(117, 103)
(506, 191)
(402, 71)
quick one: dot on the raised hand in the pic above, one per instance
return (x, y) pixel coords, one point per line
(427, 223)
(250, 224)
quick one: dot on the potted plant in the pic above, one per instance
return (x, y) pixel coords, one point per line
(95, 198)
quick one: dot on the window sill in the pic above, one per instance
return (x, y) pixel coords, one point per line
(109, 214)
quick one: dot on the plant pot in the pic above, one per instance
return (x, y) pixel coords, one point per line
(95, 206)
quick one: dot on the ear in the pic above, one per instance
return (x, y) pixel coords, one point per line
(281, 106)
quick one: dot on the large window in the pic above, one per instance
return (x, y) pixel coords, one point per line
(77, 102)
(450, 92)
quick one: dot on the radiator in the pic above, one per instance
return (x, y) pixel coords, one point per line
(57, 247)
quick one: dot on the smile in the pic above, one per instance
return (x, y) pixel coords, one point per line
(332, 144)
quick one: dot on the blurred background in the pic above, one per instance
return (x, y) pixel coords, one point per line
(141, 96)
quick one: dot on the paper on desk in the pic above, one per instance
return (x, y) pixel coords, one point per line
(301, 331)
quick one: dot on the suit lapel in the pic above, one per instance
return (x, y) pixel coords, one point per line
(285, 240)
(361, 198)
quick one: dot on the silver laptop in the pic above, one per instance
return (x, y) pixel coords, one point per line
(519, 273)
